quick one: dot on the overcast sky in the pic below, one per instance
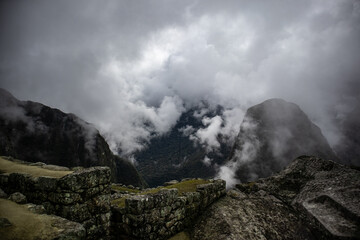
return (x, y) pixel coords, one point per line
(120, 64)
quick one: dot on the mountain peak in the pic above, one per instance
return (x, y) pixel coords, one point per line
(273, 133)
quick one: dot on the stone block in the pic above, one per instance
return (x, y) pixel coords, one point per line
(77, 212)
(134, 220)
(99, 204)
(4, 180)
(20, 182)
(135, 204)
(165, 211)
(65, 198)
(47, 184)
(86, 178)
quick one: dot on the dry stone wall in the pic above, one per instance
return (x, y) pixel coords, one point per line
(82, 196)
(163, 214)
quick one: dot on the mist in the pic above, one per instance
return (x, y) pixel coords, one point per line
(131, 68)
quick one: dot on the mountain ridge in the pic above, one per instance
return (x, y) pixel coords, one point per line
(37, 133)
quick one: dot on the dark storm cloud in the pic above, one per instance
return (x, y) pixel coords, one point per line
(120, 64)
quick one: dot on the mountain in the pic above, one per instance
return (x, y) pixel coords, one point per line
(176, 155)
(34, 132)
(272, 134)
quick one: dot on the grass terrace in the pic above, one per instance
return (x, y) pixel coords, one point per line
(183, 187)
(7, 166)
(25, 224)
(124, 189)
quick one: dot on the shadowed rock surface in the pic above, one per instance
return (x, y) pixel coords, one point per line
(33, 132)
(250, 216)
(271, 135)
(311, 199)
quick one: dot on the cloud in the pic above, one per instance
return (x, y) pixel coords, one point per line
(227, 173)
(219, 129)
(207, 161)
(187, 130)
(208, 136)
(131, 68)
(245, 153)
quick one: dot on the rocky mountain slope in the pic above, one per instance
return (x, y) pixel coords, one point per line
(272, 134)
(311, 199)
(34, 132)
(176, 156)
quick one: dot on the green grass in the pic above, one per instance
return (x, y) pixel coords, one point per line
(123, 189)
(25, 224)
(183, 187)
(180, 236)
(7, 166)
(120, 202)
(187, 186)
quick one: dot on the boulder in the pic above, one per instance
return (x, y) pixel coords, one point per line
(39, 209)
(18, 198)
(68, 230)
(55, 167)
(38, 164)
(172, 182)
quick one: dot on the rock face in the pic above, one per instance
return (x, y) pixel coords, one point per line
(272, 134)
(240, 216)
(36, 133)
(311, 199)
(176, 156)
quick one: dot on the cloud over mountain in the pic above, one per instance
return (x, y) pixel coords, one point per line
(132, 68)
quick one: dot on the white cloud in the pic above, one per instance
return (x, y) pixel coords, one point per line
(129, 67)
(208, 136)
(227, 173)
(207, 161)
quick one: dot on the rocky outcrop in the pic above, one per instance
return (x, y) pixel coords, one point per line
(240, 216)
(34, 132)
(326, 194)
(271, 135)
(311, 199)
(163, 214)
(82, 196)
